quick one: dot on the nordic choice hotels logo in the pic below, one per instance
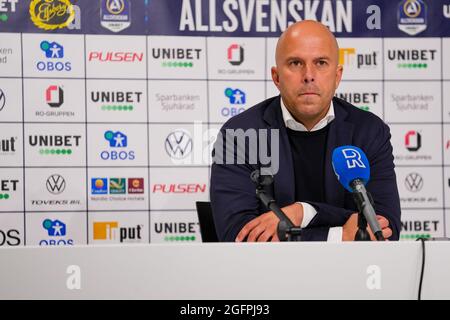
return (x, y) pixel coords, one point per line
(99, 186)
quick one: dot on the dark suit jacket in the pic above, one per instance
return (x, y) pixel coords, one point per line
(233, 197)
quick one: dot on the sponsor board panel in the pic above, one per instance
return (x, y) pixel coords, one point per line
(11, 189)
(11, 229)
(174, 227)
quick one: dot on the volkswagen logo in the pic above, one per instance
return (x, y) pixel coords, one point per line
(2, 99)
(56, 184)
(414, 182)
(178, 144)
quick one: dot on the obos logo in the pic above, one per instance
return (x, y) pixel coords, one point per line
(235, 54)
(349, 57)
(237, 99)
(9, 237)
(6, 187)
(178, 144)
(117, 140)
(56, 230)
(115, 14)
(51, 14)
(6, 7)
(53, 51)
(111, 231)
(412, 16)
(2, 99)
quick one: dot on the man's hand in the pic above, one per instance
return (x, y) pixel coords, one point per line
(351, 227)
(264, 227)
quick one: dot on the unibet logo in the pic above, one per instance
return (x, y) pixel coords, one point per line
(49, 141)
(7, 186)
(362, 100)
(54, 96)
(111, 231)
(116, 101)
(412, 58)
(53, 51)
(185, 231)
(349, 57)
(235, 54)
(173, 57)
(5, 7)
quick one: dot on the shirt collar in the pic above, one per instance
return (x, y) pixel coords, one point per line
(293, 124)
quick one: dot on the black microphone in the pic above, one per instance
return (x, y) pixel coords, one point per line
(286, 230)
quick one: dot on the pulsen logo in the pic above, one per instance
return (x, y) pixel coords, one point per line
(101, 56)
(413, 140)
(179, 188)
(235, 54)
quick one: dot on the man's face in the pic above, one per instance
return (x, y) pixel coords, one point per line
(307, 74)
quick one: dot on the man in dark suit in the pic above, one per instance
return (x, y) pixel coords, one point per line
(304, 124)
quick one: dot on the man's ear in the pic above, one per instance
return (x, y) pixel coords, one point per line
(339, 71)
(275, 76)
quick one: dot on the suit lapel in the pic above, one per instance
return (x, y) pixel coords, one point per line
(284, 180)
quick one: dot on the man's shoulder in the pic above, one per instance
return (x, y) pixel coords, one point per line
(360, 118)
(253, 117)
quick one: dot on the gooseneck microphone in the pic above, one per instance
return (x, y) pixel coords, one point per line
(352, 169)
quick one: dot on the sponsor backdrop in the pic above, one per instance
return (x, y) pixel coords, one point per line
(109, 108)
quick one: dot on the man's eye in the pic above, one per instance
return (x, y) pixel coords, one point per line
(295, 63)
(322, 63)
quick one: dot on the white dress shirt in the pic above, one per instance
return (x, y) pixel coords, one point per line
(309, 212)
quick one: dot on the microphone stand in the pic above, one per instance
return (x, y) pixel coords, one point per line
(362, 234)
(286, 230)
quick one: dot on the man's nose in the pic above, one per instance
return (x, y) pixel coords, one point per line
(308, 76)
